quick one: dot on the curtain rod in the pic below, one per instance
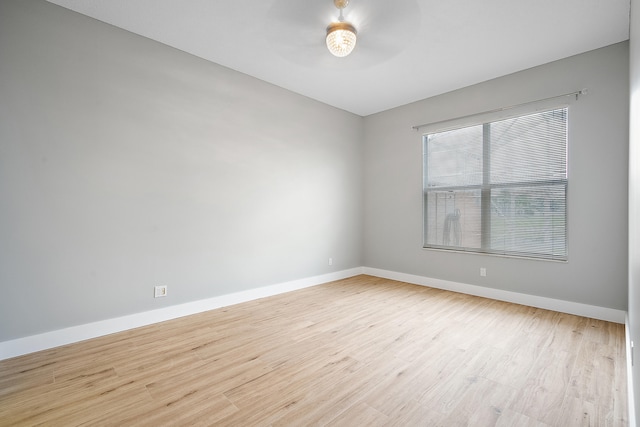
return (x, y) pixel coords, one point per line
(497, 110)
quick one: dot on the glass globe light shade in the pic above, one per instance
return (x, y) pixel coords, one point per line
(341, 38)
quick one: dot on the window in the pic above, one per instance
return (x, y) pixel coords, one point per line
(499, 187)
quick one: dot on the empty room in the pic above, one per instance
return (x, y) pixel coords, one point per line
(327, 212)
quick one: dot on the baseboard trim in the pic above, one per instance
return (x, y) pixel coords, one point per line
(630, 394)
(48, 340)
(592, 311)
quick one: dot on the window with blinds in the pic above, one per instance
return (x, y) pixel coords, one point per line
(499, 187)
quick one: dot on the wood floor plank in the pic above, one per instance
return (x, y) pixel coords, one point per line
(227, 376)
(26, 377)
(542, 395)
(337, 392)
(509, 418)
(391, 394)
(360, 414)
(513, 364)
(359, 351)
(580, 412)
(200, 407)
(593, 379)
(412, 413)
(482, 403)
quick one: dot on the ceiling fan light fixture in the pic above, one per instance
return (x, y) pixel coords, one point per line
(341, 38)
(341, 35)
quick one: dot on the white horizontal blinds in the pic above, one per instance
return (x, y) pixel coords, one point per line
(499, 187)
(455, 157)
(529, 148)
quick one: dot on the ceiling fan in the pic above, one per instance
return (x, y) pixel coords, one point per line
(341, 35)
(300, 31)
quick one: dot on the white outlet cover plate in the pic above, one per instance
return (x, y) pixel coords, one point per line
(160, 291)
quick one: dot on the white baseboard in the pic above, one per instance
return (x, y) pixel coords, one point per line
(78, 333)
(630, 394)
(592, 311)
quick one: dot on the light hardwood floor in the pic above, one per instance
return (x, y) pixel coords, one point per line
(356, 352)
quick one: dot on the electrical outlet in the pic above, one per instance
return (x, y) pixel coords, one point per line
(483, 271)
(330, 261)
(160, 291)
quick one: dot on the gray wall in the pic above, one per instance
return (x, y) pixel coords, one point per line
(597, 205)
(634, 199)
(126, 164)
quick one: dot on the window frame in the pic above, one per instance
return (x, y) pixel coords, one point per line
(485, 187)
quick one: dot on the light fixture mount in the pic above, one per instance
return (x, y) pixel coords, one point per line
(341, 35)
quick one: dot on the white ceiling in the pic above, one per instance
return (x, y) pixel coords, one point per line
(407, 50)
